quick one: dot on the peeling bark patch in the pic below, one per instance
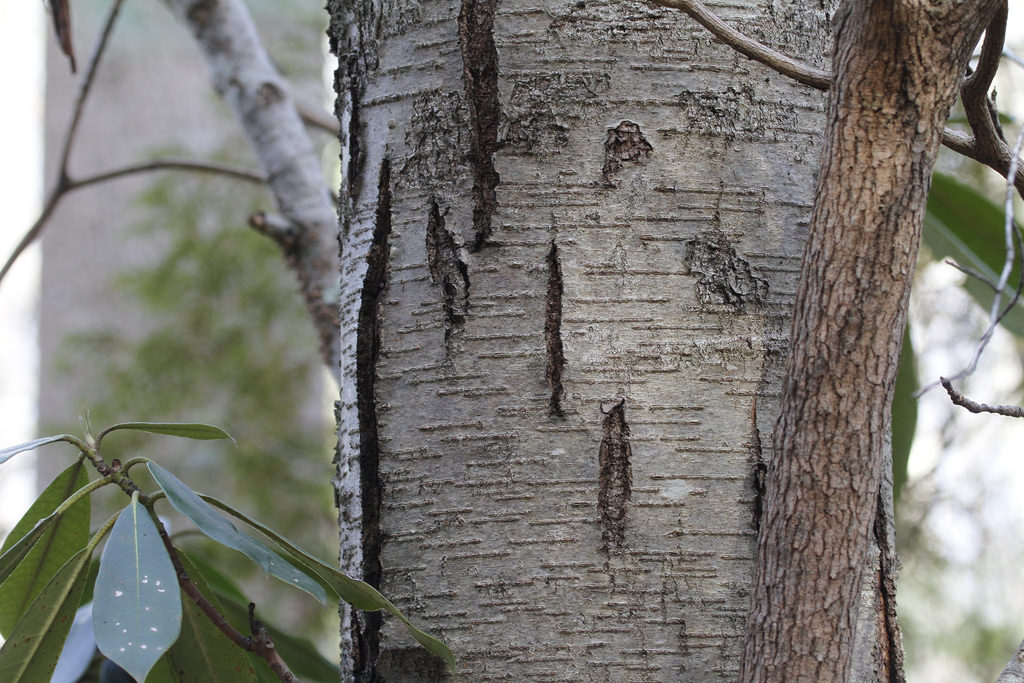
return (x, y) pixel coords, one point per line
(480, 74)
(436, 136)
(553, 332)
(625, 142)
(367, 351)
(736, 112)
(615, 479)
(449, 272)
(724, 277)
(544, 107)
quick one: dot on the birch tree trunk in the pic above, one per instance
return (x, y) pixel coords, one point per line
(571, 236)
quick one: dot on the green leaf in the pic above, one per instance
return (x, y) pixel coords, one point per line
(185, 430)
(136, 601)
(17, 552)
(218, 581)
(904, 414)
(9, 452)
(203, 652)
(218, 528)
(962, 224)
(357, 593)
(55, 546)
(31, 652)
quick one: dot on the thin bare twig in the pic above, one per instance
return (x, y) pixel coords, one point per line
(236, 172)
(989, 125)
(970, 272)
(966, 145)
(62, 179)
(973, 406)
(86, 87)
(64, 184)
(69, 185)
(1010, 55)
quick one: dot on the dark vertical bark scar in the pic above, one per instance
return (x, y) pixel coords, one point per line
(480, 74)
(354, 149)
(367, 352)
(888, 625)
(553, 332)
(449, 272)
(625, 142)
(615, 479)
(760, 467)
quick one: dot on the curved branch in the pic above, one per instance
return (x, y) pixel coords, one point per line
(967, 145)
(980, 110)
(973, 406)
(236, 172)
(244, 76)
(996, 158)
(759, 52)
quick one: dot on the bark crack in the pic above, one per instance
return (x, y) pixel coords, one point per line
(615, 479)
(887, 570)
(760, 467)
(480, 74)
(448, 271)
(367, 353)
(553, 333)
(354, 124)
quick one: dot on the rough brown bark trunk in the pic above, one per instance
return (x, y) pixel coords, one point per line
(897, 66)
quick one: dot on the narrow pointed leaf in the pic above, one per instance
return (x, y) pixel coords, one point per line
(904, 414)
(359, 594)
(218, 528)
(136, 600)
(203, 652)
(17, 552)
(31, 652)
(185, 430)
(55, 546)
(9, 452)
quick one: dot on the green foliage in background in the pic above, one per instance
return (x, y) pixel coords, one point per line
(221, 336)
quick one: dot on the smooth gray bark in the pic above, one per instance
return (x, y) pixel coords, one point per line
(563, 354)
